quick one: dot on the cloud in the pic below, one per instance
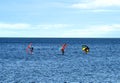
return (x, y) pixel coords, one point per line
(97, 4)
(53, 26)
(18, 26)
(55, 30)
(93, 31)
(14, 26)
(32, 30)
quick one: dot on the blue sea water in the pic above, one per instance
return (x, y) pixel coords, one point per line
(48, 65)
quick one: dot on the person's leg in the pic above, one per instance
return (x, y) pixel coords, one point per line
(86, 50)
(31, 50)
(62, 52)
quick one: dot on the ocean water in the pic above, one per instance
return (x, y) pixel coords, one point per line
(48, 65)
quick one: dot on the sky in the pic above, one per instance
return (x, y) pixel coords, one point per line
(60, 18)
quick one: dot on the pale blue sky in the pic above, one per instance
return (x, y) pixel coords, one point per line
(60, 18)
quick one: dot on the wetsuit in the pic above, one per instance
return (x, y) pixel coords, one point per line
(62, 51)
(31, 49)
(63, 48)
(86, 50)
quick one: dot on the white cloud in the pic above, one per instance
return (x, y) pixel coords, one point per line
(93, 31)
(103, 10)
(29, 30)
(14, 26)
(52, 30)
(18, 26)
(53, 26)
(95, 4)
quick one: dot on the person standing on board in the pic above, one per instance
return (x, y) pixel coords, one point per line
(85, 48)
(63, 48)
(29, 49)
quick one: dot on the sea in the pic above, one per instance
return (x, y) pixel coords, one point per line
(47, 64)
